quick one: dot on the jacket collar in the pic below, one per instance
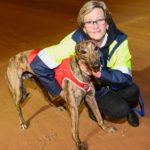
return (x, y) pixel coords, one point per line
(79, 35)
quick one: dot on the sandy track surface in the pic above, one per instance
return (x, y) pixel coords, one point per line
(36, 23)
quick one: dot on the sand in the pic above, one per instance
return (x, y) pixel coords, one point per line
(39, 23)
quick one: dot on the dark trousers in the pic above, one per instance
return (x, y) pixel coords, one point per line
(117, 105)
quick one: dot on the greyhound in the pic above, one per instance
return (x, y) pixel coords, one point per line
(83, 65)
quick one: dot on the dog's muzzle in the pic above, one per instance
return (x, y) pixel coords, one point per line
(96, 66)
(96, 69)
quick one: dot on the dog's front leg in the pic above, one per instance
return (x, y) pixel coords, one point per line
(73, 104)
(90, 99)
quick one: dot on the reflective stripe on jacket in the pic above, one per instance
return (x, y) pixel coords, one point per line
(119, 57)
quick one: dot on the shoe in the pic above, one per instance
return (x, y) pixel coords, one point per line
(133, 119)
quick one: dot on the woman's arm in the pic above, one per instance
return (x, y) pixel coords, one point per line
(118, 74)
(52, 56)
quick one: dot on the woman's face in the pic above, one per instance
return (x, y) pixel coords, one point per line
(95, 25)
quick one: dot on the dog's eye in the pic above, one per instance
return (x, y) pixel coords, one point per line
(96, 48)
(83, 52)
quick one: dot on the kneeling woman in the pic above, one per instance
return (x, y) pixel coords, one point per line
(117, 95)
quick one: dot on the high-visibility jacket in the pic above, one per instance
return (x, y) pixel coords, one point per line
(116, 71)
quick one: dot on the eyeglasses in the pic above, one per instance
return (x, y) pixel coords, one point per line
(91, 23)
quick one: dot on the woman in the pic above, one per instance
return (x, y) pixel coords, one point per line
(117, 95)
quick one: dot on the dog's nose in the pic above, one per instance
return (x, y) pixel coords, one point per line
(96, 65)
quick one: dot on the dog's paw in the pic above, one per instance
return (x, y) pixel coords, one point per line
(112, 129)
(109, 129)
(82, 146)
(23, 125)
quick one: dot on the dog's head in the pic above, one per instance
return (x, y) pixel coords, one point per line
(87, 53)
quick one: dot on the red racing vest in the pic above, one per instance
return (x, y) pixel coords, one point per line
(64, 72)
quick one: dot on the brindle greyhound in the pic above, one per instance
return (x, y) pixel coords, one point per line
(85, 63)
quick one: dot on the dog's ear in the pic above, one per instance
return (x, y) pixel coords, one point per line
(80, 48)
(77, 48)
(96, 44)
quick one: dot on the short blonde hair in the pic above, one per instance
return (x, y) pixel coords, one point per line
(88, 7)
